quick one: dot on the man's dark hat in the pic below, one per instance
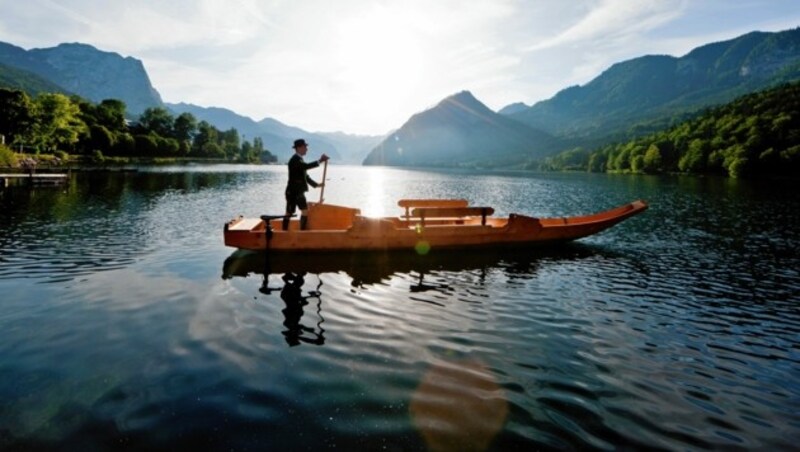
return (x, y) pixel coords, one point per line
(298, 143)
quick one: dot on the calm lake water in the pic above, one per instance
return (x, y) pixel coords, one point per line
(125, 322)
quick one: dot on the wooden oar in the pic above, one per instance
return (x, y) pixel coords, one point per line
(324, 173)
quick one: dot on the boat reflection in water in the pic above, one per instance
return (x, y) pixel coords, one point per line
(457, 403)
(368, 268)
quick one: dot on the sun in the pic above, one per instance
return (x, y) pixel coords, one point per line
(380, 56)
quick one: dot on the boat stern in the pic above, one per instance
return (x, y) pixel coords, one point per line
(245, 233)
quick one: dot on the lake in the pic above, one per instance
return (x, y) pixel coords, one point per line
(125, 322)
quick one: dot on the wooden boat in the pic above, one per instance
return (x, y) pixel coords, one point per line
(425, 224)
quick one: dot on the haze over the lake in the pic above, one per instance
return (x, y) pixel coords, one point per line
(366, 66)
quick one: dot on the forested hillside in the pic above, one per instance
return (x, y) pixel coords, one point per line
(53, 123)
(643, 95)
(18, 79)
(757, 134)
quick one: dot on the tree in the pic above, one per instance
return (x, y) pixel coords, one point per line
(213, 150)
(157, 120)
(229, 141)
(111, 115)
(206, 134)
(146, 145)
(124, 144)
(185, 127)
(694, 160)
(597, 162)
(57, 121)
(100, 138)
(652, 160)
(16, 115)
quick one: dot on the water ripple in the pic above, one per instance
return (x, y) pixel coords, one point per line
(675, 330)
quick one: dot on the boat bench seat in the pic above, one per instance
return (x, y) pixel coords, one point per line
(453, 212)
(413, 221)
(411, 203)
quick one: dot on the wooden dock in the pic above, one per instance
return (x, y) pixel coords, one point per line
(34, 178)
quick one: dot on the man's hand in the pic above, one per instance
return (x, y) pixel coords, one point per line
(324, 158)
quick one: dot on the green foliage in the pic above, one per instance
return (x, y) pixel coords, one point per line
(54, 123)
(158, 121)
(185, 127)
(16, 115)
(16, 79)
(97, 156)
(652, 160)
(574, 159)
(7, 157)
(57, 122)
(754, 135)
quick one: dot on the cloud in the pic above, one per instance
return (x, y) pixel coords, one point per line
(365, 66)
(613, 22)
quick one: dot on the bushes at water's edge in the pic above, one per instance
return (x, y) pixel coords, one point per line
(7, 157)
(758, 134)
(55, 122)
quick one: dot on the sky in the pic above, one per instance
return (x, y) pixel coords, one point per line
(366, 66)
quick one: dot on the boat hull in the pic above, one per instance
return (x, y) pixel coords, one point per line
(337, 228)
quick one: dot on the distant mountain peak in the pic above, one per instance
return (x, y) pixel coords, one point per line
(516, 107)
(459, 131)
(462, 98)
(466, 102)
(88, 72)
(78, 45)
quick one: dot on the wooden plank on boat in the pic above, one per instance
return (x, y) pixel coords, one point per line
(436, 212)
(433, 203)
(411, 203)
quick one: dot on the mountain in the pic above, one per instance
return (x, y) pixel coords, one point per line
(755, 135)
(659, 87)
(277, 136)
(460, 131)
(88, 72)
(224, 119)
(513, 108)
(18, 79)
(352, 148)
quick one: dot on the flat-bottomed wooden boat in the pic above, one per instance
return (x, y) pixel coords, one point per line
(425, 224)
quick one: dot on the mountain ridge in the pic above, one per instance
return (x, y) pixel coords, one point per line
(277, 136)
(654, 86)
(89, 72)
(459, 131)
(629, 98)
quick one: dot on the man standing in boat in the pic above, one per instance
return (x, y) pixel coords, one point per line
(298, 183)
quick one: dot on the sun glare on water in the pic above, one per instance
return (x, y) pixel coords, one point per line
(375, 195)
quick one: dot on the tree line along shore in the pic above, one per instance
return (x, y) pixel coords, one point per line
(54, 129)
